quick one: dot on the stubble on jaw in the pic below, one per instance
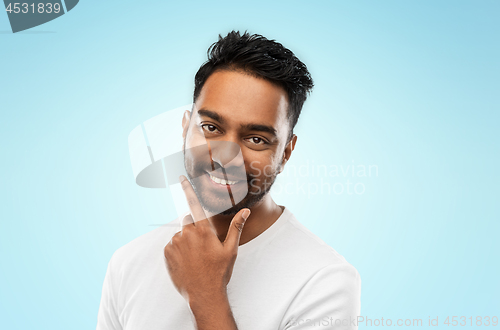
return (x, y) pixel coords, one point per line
(255, 194)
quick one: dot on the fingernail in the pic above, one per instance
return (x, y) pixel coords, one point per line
(182, 178)
(245, 214)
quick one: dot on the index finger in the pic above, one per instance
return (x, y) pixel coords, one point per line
(193, 202)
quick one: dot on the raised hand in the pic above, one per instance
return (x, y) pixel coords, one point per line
(199, 264)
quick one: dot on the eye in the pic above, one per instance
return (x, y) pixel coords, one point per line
(257, 140)
(210, 128)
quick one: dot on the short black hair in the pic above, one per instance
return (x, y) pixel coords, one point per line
(261, 57)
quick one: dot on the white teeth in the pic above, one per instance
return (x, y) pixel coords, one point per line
(221, 181)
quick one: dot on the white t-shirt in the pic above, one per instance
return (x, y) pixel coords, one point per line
(285, 278)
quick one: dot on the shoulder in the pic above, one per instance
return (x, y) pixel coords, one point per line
(303, 246)
(302, 254)
(330, 287)
(333, 293)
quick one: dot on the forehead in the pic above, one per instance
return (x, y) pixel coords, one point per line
(241, 98)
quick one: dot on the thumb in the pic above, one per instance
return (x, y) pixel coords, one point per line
(234, 233)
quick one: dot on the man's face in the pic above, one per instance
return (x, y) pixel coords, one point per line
(236, 113)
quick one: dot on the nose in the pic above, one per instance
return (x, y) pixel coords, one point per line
(228, 154)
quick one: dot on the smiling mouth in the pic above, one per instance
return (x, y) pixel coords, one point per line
(221, 181)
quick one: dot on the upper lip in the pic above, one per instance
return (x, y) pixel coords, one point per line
(229, 178)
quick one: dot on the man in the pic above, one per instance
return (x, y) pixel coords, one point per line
(241, 262)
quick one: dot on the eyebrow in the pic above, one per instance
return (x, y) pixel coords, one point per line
(250, 127)
(260, 128)
(211, 114)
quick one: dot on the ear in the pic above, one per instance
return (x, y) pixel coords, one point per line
(288, 152)
(185, 123)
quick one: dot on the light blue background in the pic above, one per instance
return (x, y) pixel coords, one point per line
(410, 86)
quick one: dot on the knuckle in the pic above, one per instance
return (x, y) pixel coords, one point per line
(189, 233)
(205, 229)
(239, 226)
(175, 239)
(192, 201)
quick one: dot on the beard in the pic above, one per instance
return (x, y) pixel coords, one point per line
(215, 203)
(254, 196)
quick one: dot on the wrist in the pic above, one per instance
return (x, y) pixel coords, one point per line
(216, 300)
(212, 311)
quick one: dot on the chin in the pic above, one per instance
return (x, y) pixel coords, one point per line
(216, 206)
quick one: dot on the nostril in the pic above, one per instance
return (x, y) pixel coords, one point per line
(226, 153)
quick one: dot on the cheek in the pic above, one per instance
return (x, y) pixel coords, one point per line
(197, 157)
(196, 151)
(262, 167)
(194, 138)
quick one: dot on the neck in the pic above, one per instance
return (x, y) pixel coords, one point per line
(262, 216)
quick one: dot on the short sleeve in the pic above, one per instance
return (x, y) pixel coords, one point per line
(329, 300)
(107, 318)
